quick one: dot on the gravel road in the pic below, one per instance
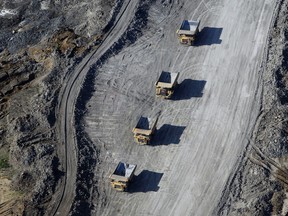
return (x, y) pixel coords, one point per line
(202, 132)
(63, 199)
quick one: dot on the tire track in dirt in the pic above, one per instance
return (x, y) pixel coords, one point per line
(64, 197)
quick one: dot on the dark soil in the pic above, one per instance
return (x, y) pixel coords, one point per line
(39, 42)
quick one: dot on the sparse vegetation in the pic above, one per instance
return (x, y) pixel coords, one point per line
(4, 163)
(4, 158)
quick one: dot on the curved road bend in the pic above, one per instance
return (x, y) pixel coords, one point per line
(67, 152)
(201, 137)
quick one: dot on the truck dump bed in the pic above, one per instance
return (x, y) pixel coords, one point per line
(189, 27)
(167, 80)
(145, 125)
(123, 172)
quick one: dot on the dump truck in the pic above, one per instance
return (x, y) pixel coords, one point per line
(144, 130)
(122, 176)
(166, 84)
(188, 32)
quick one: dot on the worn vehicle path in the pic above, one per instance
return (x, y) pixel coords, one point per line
(203, 130)
(64, 197)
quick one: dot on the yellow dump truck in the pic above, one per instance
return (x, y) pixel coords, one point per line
(188, 32)
(166, 84)
(144, 130)
(122, 176)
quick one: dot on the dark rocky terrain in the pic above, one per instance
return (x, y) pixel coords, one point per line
(39, 42)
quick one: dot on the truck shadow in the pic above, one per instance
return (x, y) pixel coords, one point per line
(146, 181)
(208, 36)
(167, 134)
(189, 88)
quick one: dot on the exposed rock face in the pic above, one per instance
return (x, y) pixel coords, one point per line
(39, 42)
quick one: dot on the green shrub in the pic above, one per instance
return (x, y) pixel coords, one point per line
(4, 163)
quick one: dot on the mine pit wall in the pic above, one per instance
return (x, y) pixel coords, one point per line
(260, 183)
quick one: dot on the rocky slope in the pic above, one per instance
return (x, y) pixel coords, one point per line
(39, 40)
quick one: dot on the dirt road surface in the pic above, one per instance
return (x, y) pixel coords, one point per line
(63, 199)
(203, 131)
